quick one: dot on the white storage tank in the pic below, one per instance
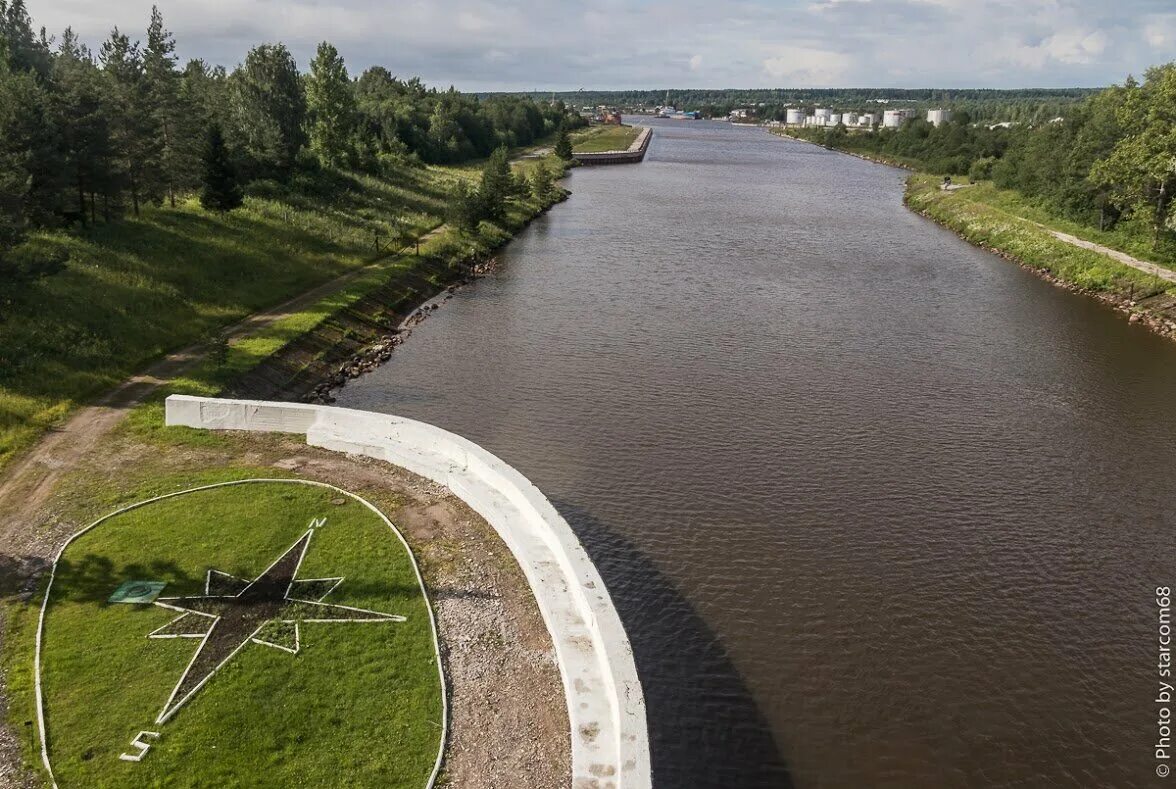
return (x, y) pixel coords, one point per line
(794, 117)
(938, 117)
(834, 118)
(822, 113)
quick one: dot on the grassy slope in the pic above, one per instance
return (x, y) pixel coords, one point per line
(339, 711)
(989, 217)
(604, 138)
(137, 289)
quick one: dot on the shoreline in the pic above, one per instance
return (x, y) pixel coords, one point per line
(1160, 321)
(360, 337)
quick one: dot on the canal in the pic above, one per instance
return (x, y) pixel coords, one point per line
(877, 508)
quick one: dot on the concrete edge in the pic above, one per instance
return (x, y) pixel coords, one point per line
(605, 703)
(634, 153)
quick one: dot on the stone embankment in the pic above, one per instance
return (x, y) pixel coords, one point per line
(634, 153)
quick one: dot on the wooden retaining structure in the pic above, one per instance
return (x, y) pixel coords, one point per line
(632, 155)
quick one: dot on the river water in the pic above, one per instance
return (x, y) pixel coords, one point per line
(877, 508)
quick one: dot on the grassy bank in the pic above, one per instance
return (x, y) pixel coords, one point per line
(597, 139)
(137, 289)
(1002, 222)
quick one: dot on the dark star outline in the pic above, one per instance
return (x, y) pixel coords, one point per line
(331, 612)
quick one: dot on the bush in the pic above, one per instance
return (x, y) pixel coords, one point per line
(981, 169)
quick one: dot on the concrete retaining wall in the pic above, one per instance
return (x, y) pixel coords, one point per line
(635, 152)
(606, 707)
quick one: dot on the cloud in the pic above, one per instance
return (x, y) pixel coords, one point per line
(806, 67)
(567, 44)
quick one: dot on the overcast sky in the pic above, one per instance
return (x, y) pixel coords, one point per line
(609, 44)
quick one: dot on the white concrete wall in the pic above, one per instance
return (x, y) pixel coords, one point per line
(606, 707)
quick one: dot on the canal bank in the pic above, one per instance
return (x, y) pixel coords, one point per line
(1142, 292)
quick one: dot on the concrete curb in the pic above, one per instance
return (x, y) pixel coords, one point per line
(606, 706)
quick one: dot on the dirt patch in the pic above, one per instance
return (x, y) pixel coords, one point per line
(508, 723)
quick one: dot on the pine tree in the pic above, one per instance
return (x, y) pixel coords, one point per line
(267, 105)
(221, 191)
(330, 106)
(175, 122)
(135, 134)
(497, 184)
(563, 144)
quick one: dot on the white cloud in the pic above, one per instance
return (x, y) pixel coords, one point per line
(1160, 31)
(806, 66)
(566, 44)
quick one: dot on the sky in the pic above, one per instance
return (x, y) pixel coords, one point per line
(484, 45)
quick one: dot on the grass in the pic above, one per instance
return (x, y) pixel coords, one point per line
(1125, 237)
(360, 704)
(596, 139)
(984, 216)
(137, 289)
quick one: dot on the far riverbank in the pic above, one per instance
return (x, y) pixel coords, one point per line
(975, 216)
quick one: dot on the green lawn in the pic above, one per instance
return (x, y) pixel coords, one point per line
(359, 705)
(604, 138)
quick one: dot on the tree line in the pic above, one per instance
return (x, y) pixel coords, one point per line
(1111, 158)
(88, 137)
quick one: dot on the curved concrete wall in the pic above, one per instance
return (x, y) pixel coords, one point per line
(606, 708)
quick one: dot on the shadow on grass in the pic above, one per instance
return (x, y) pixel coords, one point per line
(705, 727)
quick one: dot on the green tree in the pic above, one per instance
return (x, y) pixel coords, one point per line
(173, 117)
(466, 207)
(543, 185)
(82, 118)
(136, 141)
(330, 106)
(497, 184)
(1140, 171)
(23, 49)
(267, 107)
(220, 191)
(563, 144)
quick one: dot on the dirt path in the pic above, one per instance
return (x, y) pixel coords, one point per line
(27, 482)
(1122, 257)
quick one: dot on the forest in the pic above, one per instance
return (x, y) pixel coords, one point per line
(88, 138)
(1111, 158)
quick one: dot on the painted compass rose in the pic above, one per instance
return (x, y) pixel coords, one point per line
(268, 610)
